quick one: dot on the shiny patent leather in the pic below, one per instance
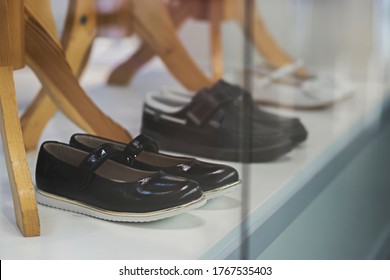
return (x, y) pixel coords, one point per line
(95, 180)
(208, 175)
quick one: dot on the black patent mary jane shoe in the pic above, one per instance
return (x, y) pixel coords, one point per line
(92, 184)
(143, 153)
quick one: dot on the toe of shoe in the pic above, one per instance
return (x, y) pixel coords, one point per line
(171, 191)
(221, 176)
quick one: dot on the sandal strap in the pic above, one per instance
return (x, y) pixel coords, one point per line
(279, 73)
(95, 159)
(140, 143)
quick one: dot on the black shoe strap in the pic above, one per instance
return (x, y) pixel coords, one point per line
(95, 159)
(204, 107)
(139, 144)
(223, 90)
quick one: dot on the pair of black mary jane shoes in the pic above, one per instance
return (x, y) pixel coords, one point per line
(125, 182)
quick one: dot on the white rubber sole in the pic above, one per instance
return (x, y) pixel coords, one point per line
(222, 190)
(62, 203)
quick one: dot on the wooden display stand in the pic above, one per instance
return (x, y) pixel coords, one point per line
(216, 12)
(83, 26)
(27, 31)
(12, 34)
(150, 20)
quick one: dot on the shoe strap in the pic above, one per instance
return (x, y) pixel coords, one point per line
(279, 73)
(140, 143)
(225, 91)
(95, 159)
(204, 106)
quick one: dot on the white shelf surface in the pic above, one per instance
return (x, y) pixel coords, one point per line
(212, 231)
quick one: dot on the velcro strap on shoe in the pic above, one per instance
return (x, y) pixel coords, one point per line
(204, 107)
(225, 91)
(95, 159)
(139, 144)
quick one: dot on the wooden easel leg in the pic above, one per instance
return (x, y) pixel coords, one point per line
(216, 15)
(160, 34)
(77, 39)
(34, 119)
(46, 58)
(262, 39)
(125, 72)
(25, 205)
(266, 45)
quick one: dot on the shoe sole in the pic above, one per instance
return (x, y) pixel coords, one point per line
(217, 192)
(283, 104)
(62, 203)
(258, 155)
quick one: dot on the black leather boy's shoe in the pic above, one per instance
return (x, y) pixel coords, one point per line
(142, 153)
(208, 127)
(92, 184)
(222, 90)
(291, 126)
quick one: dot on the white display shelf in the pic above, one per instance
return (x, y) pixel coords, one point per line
(281, 190)
(278, 190)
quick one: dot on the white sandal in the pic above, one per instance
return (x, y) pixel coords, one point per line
(282, 87)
